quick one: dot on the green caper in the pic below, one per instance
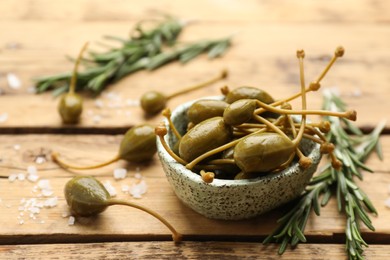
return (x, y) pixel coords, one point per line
(263, 152)
(138, 145)
(205, 109)
(246, 92)
(153, 102)
(70, 106)
(203, 137)
(239, 112)
(86, 196)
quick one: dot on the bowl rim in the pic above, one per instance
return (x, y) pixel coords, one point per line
(165, 157)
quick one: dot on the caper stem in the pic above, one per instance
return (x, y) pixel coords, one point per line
(73, 80)
(223, 74)
(271, 126)
(314, 86)
(167, 114)
(298, 138)
(221, 161)
(350, 114)
(331, 62)
(207, 177)
(55, 157)
(161, 131)
(177, 237)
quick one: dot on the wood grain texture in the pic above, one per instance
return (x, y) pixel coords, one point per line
(186, 250)
(119, 223)
(35, 37)
(263, 54)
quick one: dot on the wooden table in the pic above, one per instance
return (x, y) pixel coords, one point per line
(35, 36)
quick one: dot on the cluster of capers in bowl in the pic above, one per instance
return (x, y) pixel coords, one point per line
(246, 133)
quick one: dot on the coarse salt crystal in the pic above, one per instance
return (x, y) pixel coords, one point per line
(137, 190)
(44, 184)
(31, 169)
(138, 176)
(111, 189)
(40, 160)
(17, 147)
(47, 193)
(120, 173)
(21, 176)
(3, 117)
(51, 202)
(12, 177)
(13, 81)
(387, 203)
(32, 177)
(71, 221)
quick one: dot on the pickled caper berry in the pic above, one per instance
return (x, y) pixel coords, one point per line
(138, 145)
(86, 196)
(70, 106)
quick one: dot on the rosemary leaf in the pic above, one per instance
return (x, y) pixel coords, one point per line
(145, 49)
(352, 148)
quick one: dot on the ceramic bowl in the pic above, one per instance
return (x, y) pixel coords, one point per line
(233, 199)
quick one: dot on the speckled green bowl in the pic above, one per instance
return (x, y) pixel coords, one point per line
(234, 199)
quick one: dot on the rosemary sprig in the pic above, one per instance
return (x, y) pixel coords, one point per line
(145, 49)
(352, 151)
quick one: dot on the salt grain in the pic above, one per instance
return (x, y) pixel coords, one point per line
(13, 81)
(17, 147)
(47, 193)
(71, 221)
(3, 117)
(120, 173)
(12, 177)
(111, 189)
(137, 190)
(51, 202)
(44, 184)
(21, 176)
(31, 169)
(32, 178)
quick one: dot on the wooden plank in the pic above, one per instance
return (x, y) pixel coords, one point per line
(186, 250)
(303, 11)
(267, 62)
(119, 223)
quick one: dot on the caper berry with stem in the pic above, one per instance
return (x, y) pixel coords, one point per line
(259, 136)
(138, 145)
(153, 102)
(86, 196)
(70, 106)
(264, 152)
